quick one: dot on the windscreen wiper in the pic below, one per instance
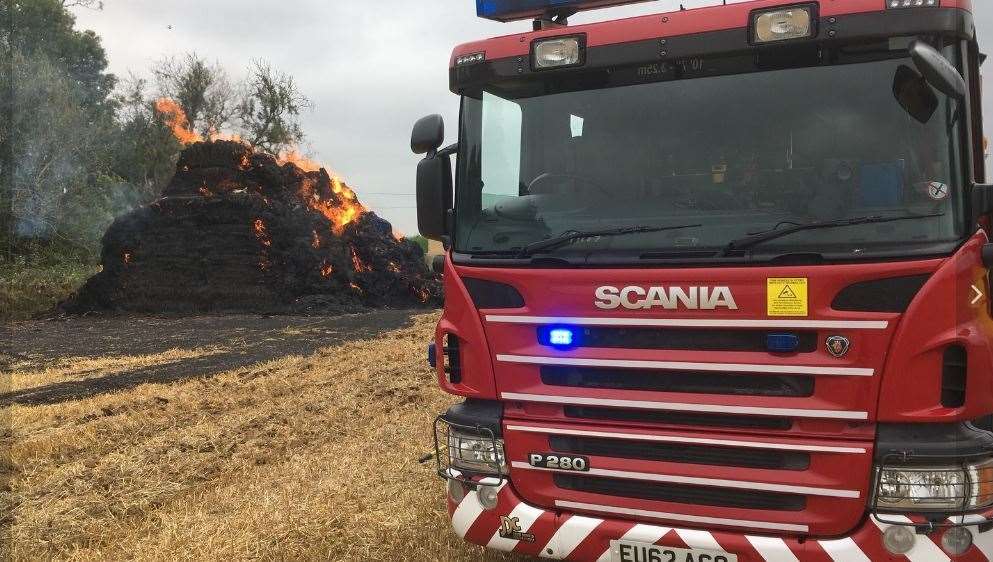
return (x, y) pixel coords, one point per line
(573, 235)
(763, 237)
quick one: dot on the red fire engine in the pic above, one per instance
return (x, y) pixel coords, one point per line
(717, 284)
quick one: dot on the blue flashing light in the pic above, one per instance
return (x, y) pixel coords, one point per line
(782, 343)
(510, 10)
(561, 336)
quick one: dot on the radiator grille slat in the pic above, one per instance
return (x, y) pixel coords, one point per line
(677, 418)
(791, 386)
(680, 453)
(689, 339)
(678, 493)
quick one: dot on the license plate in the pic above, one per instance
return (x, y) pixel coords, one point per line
(627, 551)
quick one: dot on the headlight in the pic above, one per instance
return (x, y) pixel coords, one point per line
(936, 488)
(559, 52)
(475, 453)
(783, 24)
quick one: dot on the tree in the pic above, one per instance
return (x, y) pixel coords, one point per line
(203, 91)
(145, 150)
(59, 117)
(270, 110)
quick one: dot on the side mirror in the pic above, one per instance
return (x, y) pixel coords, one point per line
(434, 195)
(428, 134)
(937, 70)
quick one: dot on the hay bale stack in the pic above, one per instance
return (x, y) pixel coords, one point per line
(238, 231)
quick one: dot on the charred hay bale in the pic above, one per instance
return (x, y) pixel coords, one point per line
(218, 154)
(237, 231)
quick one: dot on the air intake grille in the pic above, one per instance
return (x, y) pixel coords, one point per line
(678, 493)
(687, 382)
(688, 339)
(678, 418)
(954, 373)
(881, 295)
(666, 452)
(490, 294)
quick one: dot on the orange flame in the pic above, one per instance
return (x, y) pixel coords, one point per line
(346, 211)
(422, 294)
(327, 270)
(357, 264)
(293, 156)
(175, 118)
(261, 233)
(342, 213)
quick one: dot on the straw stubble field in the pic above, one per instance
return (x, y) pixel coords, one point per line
(305, 456)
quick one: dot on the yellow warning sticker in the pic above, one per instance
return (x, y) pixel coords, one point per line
(787, 297)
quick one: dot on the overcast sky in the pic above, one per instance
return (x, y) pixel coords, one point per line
(372, 68)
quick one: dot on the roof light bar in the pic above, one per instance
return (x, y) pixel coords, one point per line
(471, 58)
(512, 10)
(897, 4)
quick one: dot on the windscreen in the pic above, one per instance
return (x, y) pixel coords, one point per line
(722, 147)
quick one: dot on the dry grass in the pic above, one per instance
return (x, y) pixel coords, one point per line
(25, 375)
(301, 458)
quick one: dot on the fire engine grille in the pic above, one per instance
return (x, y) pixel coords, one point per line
(678, 418)
(791, 386)
(688, 339)
(677, 493)
(680, 453)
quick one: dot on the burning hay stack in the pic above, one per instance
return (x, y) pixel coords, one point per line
(237, 230)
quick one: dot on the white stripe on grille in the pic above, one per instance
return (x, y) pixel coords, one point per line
(526, 516)
(691, 440)
(844, 550)
(648, 534)
(569, 535)
(687, 366)
(699, 539)
(694, 322)
(680, 407)
(925, 550)
(467, 512)
(683, 517)
(694, 481)
(772, 549)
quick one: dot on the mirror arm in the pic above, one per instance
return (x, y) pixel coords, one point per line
(449, 150)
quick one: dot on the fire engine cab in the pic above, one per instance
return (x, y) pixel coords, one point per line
(717, 284)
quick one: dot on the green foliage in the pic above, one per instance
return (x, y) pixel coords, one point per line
(74, 154)
(420, 241)
(271, 109)
(145, 149)
(203, 91)
(29, 287)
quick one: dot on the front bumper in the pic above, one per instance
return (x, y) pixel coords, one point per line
(515, 526)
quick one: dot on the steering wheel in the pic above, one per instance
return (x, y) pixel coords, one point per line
(550, 176)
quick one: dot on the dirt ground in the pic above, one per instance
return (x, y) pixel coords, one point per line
(214, 438)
